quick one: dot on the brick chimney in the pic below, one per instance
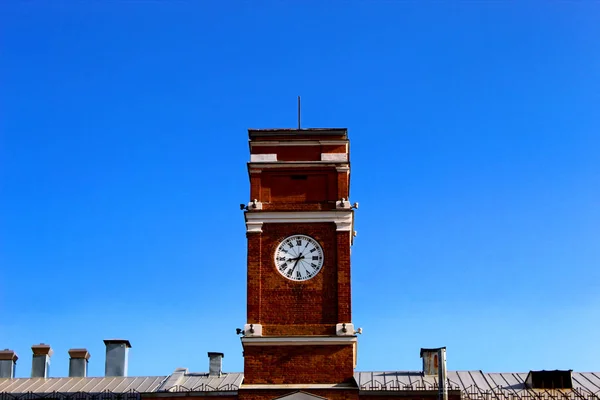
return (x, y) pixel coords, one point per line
(8, 361)
(117, 357)
(78, 363)
(40, 365)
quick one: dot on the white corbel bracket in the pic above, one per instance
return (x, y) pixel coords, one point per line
(343, 204)
(252, 330)
(344, 329)
(254, 205)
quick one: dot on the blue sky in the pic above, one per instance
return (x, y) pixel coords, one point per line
(474, 132)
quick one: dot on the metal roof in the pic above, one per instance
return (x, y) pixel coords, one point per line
(473, 385)
(478, 384)
(90, 385)
(202, 382)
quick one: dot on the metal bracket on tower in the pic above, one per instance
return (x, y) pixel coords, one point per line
(252, 330)
(253, 205)
(345, 329)
(342, 204)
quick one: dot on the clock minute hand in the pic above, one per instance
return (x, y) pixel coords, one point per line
(300, 257)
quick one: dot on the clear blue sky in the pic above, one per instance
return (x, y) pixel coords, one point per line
(475, 147)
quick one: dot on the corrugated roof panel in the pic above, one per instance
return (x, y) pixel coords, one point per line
(514, 381)
(479, 380)
(78, 384)
(589, 380)
(196, 381)
(234, 380)
(72, 385)
(476, 385)
(94, 384)
(428, 382)
(497, 380)
(358, 377)
(453, 378)
(465, 381)
(7, 385)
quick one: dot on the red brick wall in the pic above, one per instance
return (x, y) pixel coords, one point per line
(333, 148)
(278, 190)
(298, 364)
(343, 284)
(300, 152)
(291, 153)
(254, 277)
(343, 185)
(295, 308)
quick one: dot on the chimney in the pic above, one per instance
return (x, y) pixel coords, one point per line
(117, 354)
(434, 363)
(78, 363)
(40, 365)
(8, 361)
(215, 364)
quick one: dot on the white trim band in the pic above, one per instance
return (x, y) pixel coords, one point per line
(338, 157)
(297, 340)
(299, 386)
(263, 157)
(343, 219)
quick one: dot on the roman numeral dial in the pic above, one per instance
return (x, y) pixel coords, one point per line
(299, 257)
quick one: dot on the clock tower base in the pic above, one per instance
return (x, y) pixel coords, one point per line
(293, 360)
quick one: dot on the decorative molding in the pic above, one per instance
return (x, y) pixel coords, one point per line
(296, 164)
(298, 340)
(254, 205)
(276, 143)
(300, 386)
(270, 143)
(254, 226)
(252, 330)
(336, 157)
(263, 157)
(342, 218)
(346, 329)
(342, 204)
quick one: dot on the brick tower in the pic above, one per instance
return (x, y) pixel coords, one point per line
(299, 225)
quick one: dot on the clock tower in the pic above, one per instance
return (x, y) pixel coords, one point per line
(299, 226)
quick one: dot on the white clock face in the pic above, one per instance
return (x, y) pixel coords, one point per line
(299, 257)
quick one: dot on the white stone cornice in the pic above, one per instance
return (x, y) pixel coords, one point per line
(299, 386)
(343, 219)
(271, 143)
(297, 164)
(297, 340)
(263, 157)
(335, 157)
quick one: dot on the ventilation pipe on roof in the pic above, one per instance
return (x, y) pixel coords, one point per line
(8, 361)
(78, 363)
(215, 364)
(117, 357)
(40, 365)
(434, 363)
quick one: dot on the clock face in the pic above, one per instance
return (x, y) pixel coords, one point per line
(299, 257)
